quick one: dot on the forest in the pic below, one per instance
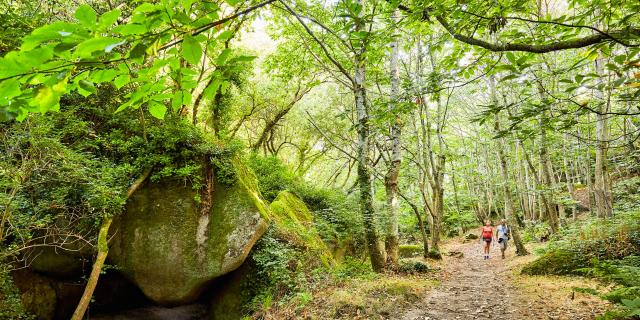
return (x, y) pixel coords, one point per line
(319, 159)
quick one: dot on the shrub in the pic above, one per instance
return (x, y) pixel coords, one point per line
(413, 266)
(411, 250)
(556, 263)
(10, 304)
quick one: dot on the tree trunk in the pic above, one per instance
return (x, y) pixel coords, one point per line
(376, 252)
(552, 213)
(509, 211)
(391, 178)
(103, 251)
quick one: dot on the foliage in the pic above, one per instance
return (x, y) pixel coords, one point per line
(459, 221)
(273, 176)
(335, 214)
(78, 55)
(353, 268)
(626, 194)
(410, 266)
(535, 230)
(10, 304)
(411, 250)
(605, 249)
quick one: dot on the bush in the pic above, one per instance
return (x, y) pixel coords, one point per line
(607, 249)
(555, 263)
(10, 304)
(411, 250)
(413, 266)
(353, 268)
(626, 194)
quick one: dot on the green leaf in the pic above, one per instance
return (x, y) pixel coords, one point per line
(48, 97)
(87, 16)
(180, 99)
(121, 81)
(186, 5)
(103, 75)
(9, 89)
(55, 31)
(157, 109)
(130, 29)
(86, 88)
(222, 58)
(191, 50)
(225, 35)
(620, 59)
(145, 7)
(108, 18)
(88, 47)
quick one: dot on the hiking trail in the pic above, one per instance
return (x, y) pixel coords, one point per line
(473, 288)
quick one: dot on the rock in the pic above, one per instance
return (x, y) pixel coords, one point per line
(411, 250)
(37, 293)
(294, 223)
(188, 312)
(165, 246)
(471, 236)
(455, 254)
(61, 263)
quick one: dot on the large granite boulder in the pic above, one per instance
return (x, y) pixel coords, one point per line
(171, 249)
(293, 222)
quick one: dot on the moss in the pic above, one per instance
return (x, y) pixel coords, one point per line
(294, 223)
(433, 254)
(411, 250)
(248, 180)
(555, 263)
(170, 250)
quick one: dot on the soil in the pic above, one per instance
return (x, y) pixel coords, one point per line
(474, 288)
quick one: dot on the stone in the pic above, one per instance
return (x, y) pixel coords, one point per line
(293, 222)
(471, 236)
(38, 293)
(171, 251)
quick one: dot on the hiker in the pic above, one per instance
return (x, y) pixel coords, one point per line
(503, 235)
(486, 237)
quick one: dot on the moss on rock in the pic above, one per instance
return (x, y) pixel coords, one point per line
(171, 251)
(294, 222)
(555, 263)
(37, 293)
(411, 250)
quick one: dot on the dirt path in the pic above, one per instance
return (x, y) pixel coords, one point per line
(473, 288)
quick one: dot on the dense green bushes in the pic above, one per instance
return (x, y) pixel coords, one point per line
(626, 194)
(336, 214)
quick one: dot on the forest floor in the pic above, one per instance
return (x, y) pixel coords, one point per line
(461, 286)
(473, 288)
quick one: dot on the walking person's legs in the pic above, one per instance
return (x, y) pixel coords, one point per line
(503, 247)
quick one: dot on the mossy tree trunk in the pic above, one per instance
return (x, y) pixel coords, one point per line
(392, 242)
(509, 211)
(602, 183)
(376, 252)
(103, 251)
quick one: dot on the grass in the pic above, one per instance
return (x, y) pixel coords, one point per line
(365, 297)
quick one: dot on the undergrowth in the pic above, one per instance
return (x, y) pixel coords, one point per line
(606, 249)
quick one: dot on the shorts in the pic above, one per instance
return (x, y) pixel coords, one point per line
(487, 240)
(503, 243)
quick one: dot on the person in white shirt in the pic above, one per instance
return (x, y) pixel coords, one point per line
(502, 234)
